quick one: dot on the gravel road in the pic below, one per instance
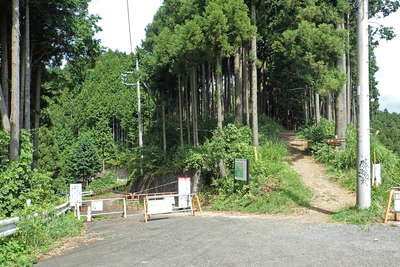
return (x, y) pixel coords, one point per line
(232, 241)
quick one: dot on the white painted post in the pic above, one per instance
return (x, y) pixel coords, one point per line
(376, 174)
(78, 212)
(125, 215)
(89, 213)
(364, 165)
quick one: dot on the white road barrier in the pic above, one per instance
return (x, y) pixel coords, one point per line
(97, 207)
(164, 204)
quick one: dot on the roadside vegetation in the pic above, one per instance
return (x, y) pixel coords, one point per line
(342, 167)
(37, 236)
(273, 186)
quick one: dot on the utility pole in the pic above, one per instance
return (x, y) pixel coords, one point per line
(363, 169)
(140, 121)
(124, 75)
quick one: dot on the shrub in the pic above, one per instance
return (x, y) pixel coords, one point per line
(37, 233)
(81, 160)
(104, 184)
(318, 132)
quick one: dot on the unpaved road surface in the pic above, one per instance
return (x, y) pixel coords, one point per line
(231, 241)
(329, 196)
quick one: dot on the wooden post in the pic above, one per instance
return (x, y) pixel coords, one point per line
(388, 206)
(198, 203)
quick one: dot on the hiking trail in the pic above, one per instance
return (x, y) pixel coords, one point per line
(328, 196)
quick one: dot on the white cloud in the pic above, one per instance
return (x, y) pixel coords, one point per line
(114, 22)
(388, 59)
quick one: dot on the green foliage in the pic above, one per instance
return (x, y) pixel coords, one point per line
(316, 133)
(4, 141)
(37, 234)
(19, 182)
(104, 184)
(227, 143)
(83, 161)
(386, 126)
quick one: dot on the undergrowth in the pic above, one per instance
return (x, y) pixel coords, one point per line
(342, 167)
(37, 235)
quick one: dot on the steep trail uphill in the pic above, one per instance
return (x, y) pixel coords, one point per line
(328, 197)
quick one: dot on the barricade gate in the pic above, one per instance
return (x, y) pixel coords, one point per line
(164, 204)
(98, 207)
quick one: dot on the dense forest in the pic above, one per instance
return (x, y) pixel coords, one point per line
(215, 80)
(204, 64)
(206, 69)
(386, 126)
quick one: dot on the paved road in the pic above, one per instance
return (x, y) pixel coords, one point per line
(229, 241)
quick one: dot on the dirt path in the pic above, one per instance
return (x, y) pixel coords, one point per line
(328, 197)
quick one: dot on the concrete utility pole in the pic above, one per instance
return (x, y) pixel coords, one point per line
(140, 121)
(139, 107)
(364, 169)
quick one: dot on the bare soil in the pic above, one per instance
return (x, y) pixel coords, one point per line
(328, 196)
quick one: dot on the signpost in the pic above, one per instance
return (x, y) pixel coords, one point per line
(75, 194)
(242, 170)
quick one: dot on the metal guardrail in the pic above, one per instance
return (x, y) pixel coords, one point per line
(9, 226)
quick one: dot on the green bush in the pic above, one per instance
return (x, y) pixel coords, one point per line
(318, 132)
(226, 144)
(104, 184)
(82, 160)
(19, 182)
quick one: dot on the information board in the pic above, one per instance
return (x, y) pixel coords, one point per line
(159, 206)
(75, 194)
(241, 170)
(97, 205)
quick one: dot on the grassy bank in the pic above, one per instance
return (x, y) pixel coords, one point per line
(36, 236)
(273, 186)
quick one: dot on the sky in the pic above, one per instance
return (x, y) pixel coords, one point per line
(115, 35)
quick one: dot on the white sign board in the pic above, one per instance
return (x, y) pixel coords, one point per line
(396, 197)
(184, 192)
(376, 174)
(97, 205)
(75, 194)
(159, 206)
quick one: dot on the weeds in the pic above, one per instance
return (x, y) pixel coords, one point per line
(37, 235)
